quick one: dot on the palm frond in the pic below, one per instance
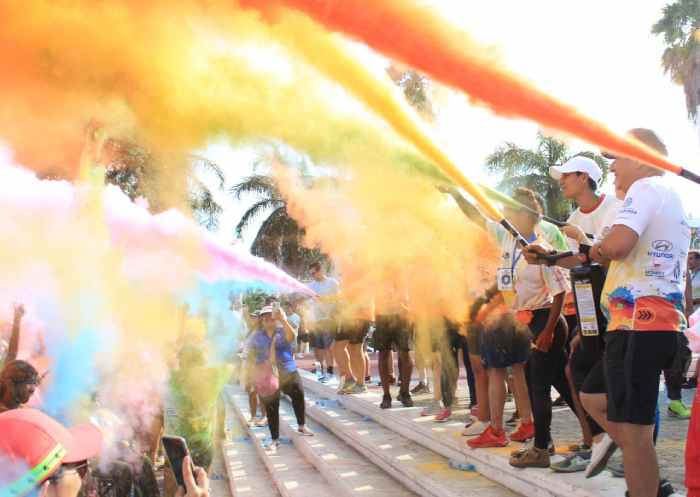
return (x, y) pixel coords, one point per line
(254, 211)
(259, 184)
(209, 166)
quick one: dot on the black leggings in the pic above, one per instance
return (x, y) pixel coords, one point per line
(544, 371)
(450, 372)
(290, 384)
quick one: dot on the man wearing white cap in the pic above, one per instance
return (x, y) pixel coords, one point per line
(579, 178)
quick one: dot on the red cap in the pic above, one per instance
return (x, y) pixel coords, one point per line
(29, 436)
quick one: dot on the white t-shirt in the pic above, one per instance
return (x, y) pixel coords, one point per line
(695, 285)
(526, 287)
(328, 286)
(597, 221)
(646, 290)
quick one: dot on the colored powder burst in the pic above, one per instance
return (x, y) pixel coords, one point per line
(419, 37)
(212, 302)
(171, 84)
(332, 57)
(405, 237)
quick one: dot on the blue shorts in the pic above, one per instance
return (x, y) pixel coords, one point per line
(321, 340)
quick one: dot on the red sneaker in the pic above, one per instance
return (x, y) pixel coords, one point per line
(443, 415)
(525, 432)
(489, 438)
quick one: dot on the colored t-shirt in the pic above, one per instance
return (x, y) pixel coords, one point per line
(259, 345)
(596, 221)
(190, 407)
(526, 286)
(645, 291)
(324, 310)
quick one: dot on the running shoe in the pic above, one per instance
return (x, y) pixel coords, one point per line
(431, 409)
(357, 389)
(444, 415)
(572, 463)
(525, 432)
(488, 438)
(473, 429)
(420, 388)
(405, 399)
(601, 453)
(677, 409)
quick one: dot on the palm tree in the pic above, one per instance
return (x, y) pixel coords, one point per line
(280, 238)
(134, 170)
(680, 27)
(530, 168)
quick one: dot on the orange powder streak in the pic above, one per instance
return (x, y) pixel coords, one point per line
(418, 36)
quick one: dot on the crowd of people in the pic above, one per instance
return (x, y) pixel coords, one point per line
(599, 323)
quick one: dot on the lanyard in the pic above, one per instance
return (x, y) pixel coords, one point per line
(514, 260)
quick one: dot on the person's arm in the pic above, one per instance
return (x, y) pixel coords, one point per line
(13, 347)
(468, 209)
(544, 341)
(290, 333)
(616, 246)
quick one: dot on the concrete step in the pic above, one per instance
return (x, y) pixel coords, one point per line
(346, 470)
(289, 471)
(445, 439)
(247, 475)
(419, 469)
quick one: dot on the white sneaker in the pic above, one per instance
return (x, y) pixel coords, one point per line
(600, 454)
(474, 429)
(433, 408)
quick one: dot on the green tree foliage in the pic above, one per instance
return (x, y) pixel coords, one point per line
(280, 239)
(135, 171)
(530, 168)
(680, 27)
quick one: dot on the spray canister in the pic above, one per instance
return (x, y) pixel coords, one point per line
(587, 281)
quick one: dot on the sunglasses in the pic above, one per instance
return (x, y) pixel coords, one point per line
(81, 468)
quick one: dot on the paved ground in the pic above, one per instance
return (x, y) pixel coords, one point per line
(670, 445)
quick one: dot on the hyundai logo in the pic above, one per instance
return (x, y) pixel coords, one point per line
(662, 245)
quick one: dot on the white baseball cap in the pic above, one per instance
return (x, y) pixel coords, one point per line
(578, 164)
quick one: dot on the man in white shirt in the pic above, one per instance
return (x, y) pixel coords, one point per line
(579, 178)
(646, 250)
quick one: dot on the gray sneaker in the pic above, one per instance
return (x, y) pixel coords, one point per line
(357, 388)
(347, 387)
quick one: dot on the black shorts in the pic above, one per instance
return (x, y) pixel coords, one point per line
(587, 371)
(633, 364)
(391, 330)
(354, 331)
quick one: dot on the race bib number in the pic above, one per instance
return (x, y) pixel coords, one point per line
(504, 279)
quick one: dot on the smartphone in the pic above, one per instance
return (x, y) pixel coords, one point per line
(176, 450)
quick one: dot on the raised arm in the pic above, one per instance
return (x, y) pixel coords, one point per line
(13, 347)
(468, 209)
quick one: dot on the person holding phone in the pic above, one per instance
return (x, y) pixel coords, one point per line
(276, 327)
